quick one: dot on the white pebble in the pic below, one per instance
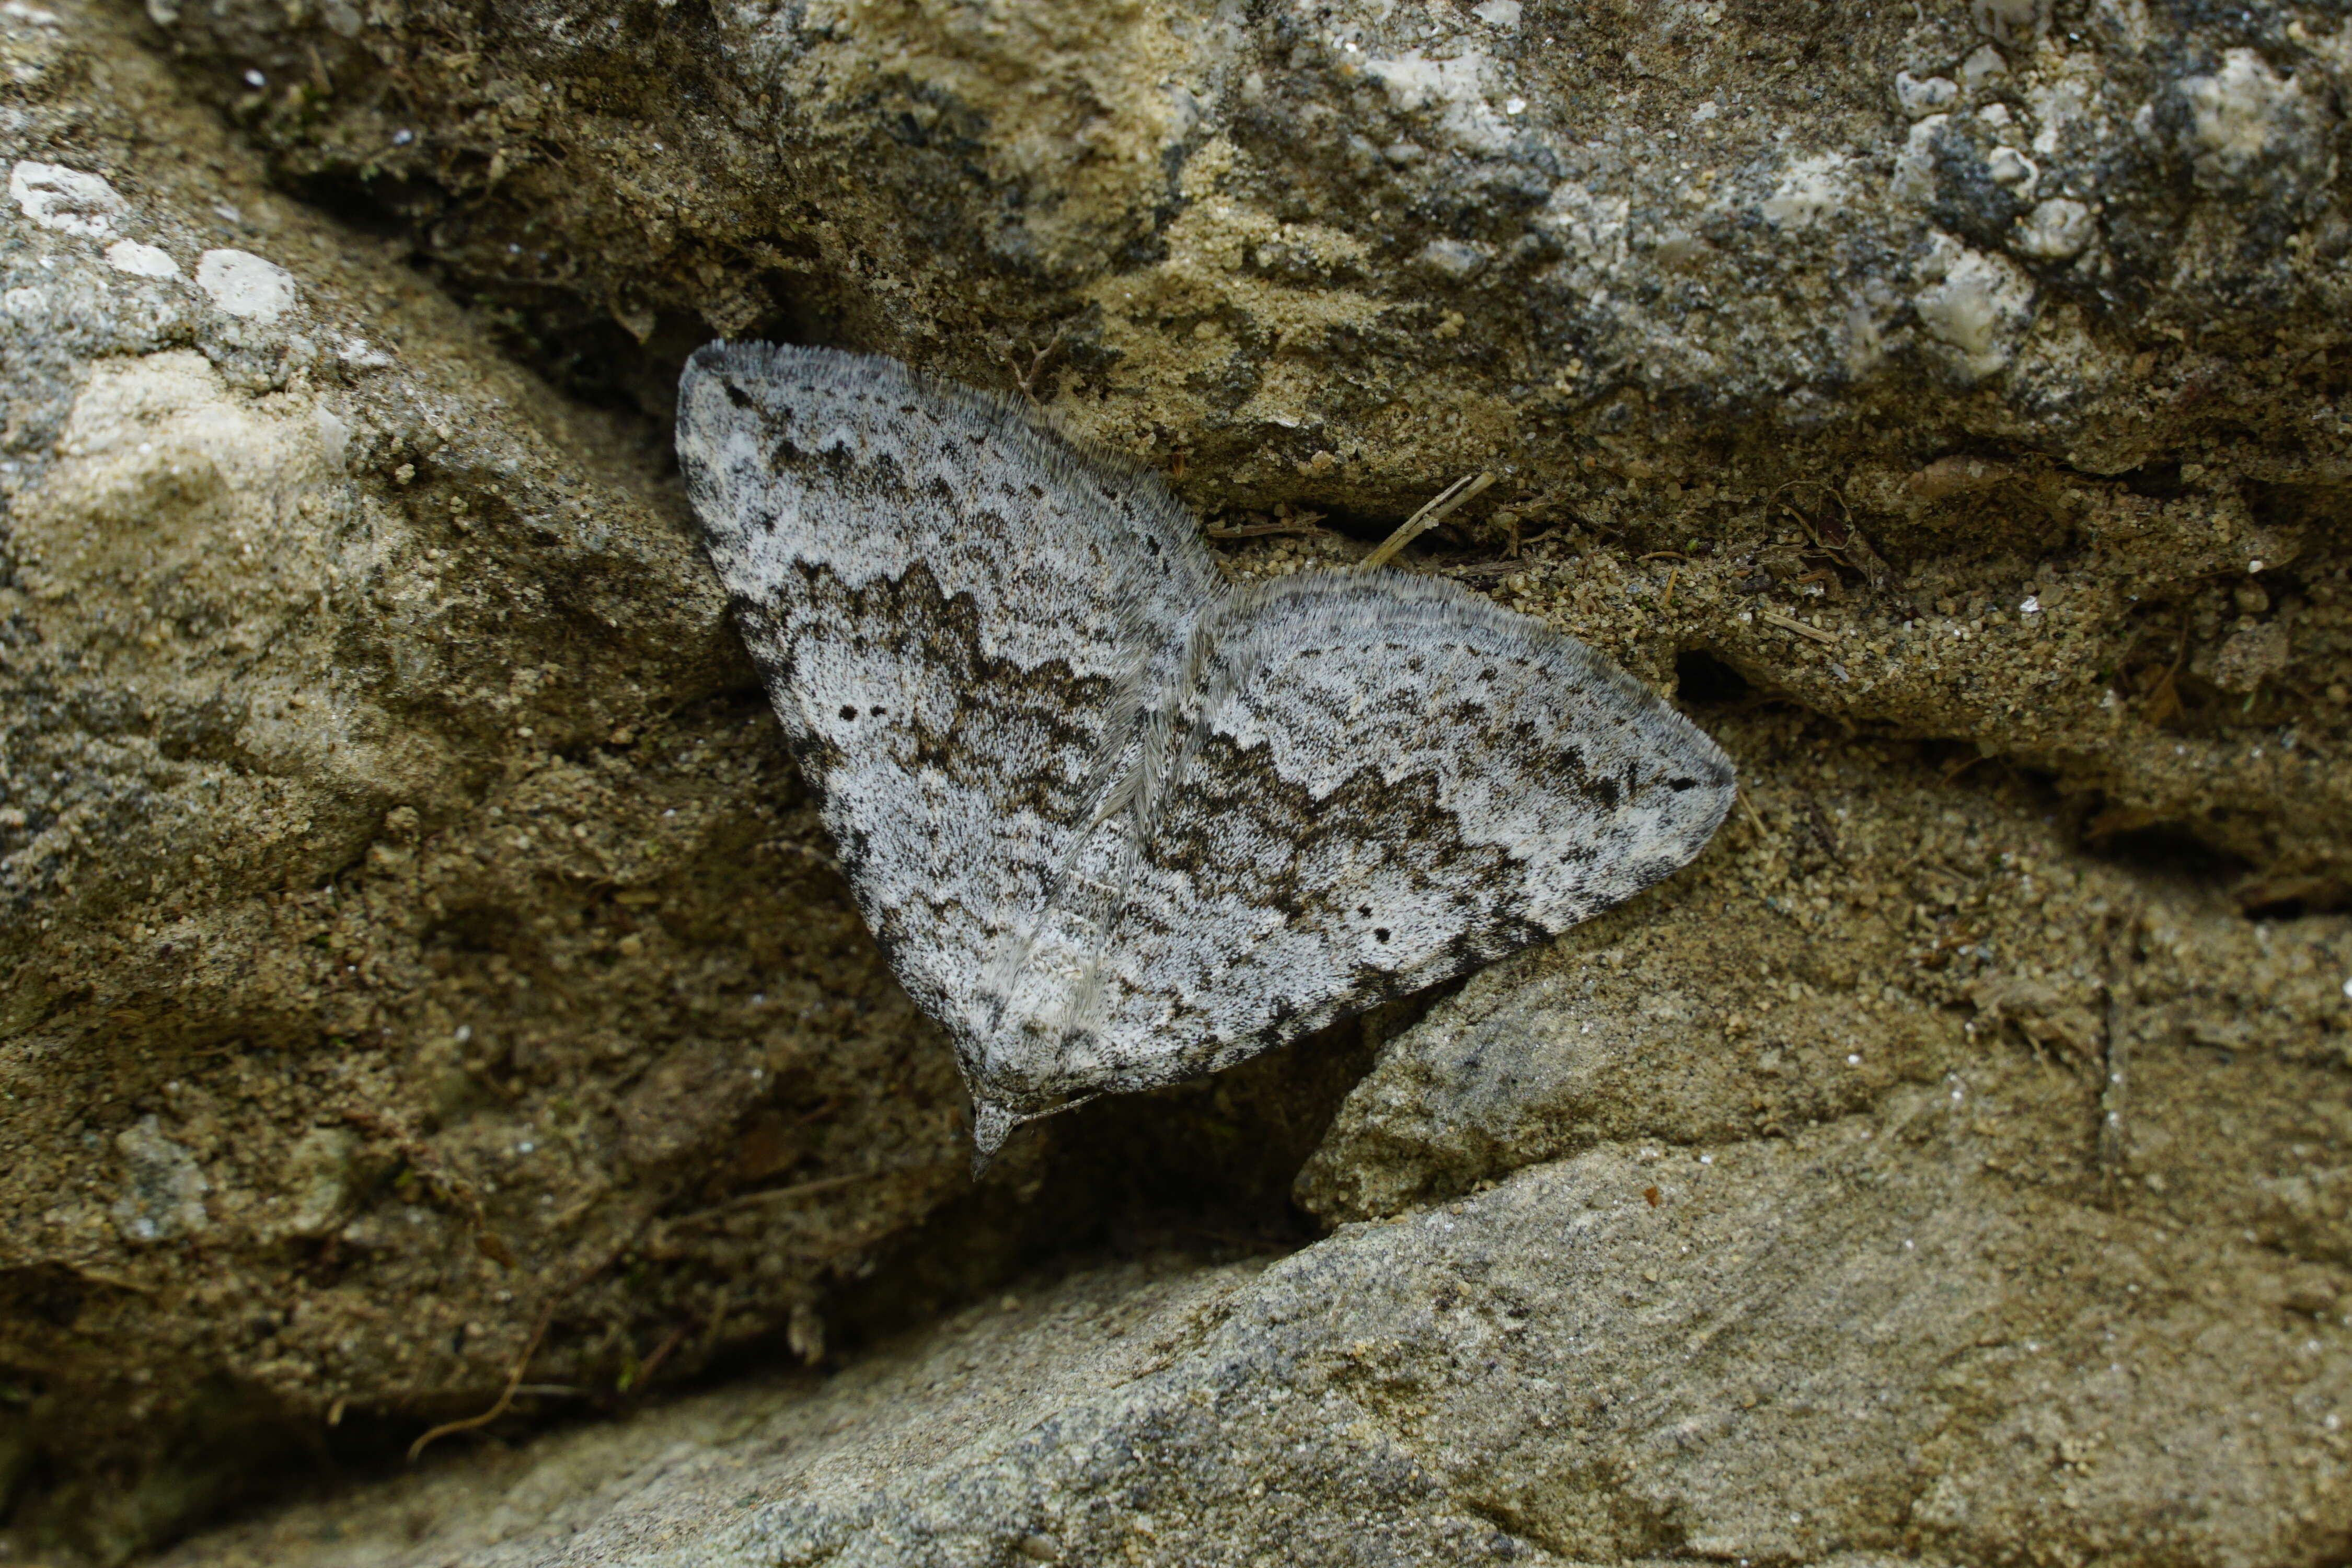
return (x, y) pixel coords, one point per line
(66, 200)
(2011, 169)
(2054, 230)
(1982, 65)
(1920, 97)
(140, 261)
(245, 285)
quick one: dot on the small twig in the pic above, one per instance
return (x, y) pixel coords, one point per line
(110, 1281)
(1448, 500)
(1668, 602)
(670, 1341)
(2164, 696)
(506, 1395)
(1513, 562)
(1664, 555)
(1790, 624)
(1269, 530)
(1027, 379)
(1845, 512)
(1748, 806)
(546, 1317)
(1490, 568)
(742, 1201)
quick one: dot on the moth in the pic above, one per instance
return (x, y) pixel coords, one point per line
(1117, 821)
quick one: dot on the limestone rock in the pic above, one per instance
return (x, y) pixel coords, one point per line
(1849, 1346)
(383, 804)
(419, 971)
(1687, 279)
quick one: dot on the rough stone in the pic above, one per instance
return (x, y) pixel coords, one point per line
(1707, 257)
(390, 828)
(419, 971)
(1856, 1344)
(1866, 926)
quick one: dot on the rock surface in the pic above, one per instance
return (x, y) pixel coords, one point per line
(1852, 1341)
(406, 908)
(1959, 313)
(1798, 1265)
(419, 973)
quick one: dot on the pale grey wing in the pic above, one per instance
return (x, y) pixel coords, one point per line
(1387, 781)
(952, 608)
